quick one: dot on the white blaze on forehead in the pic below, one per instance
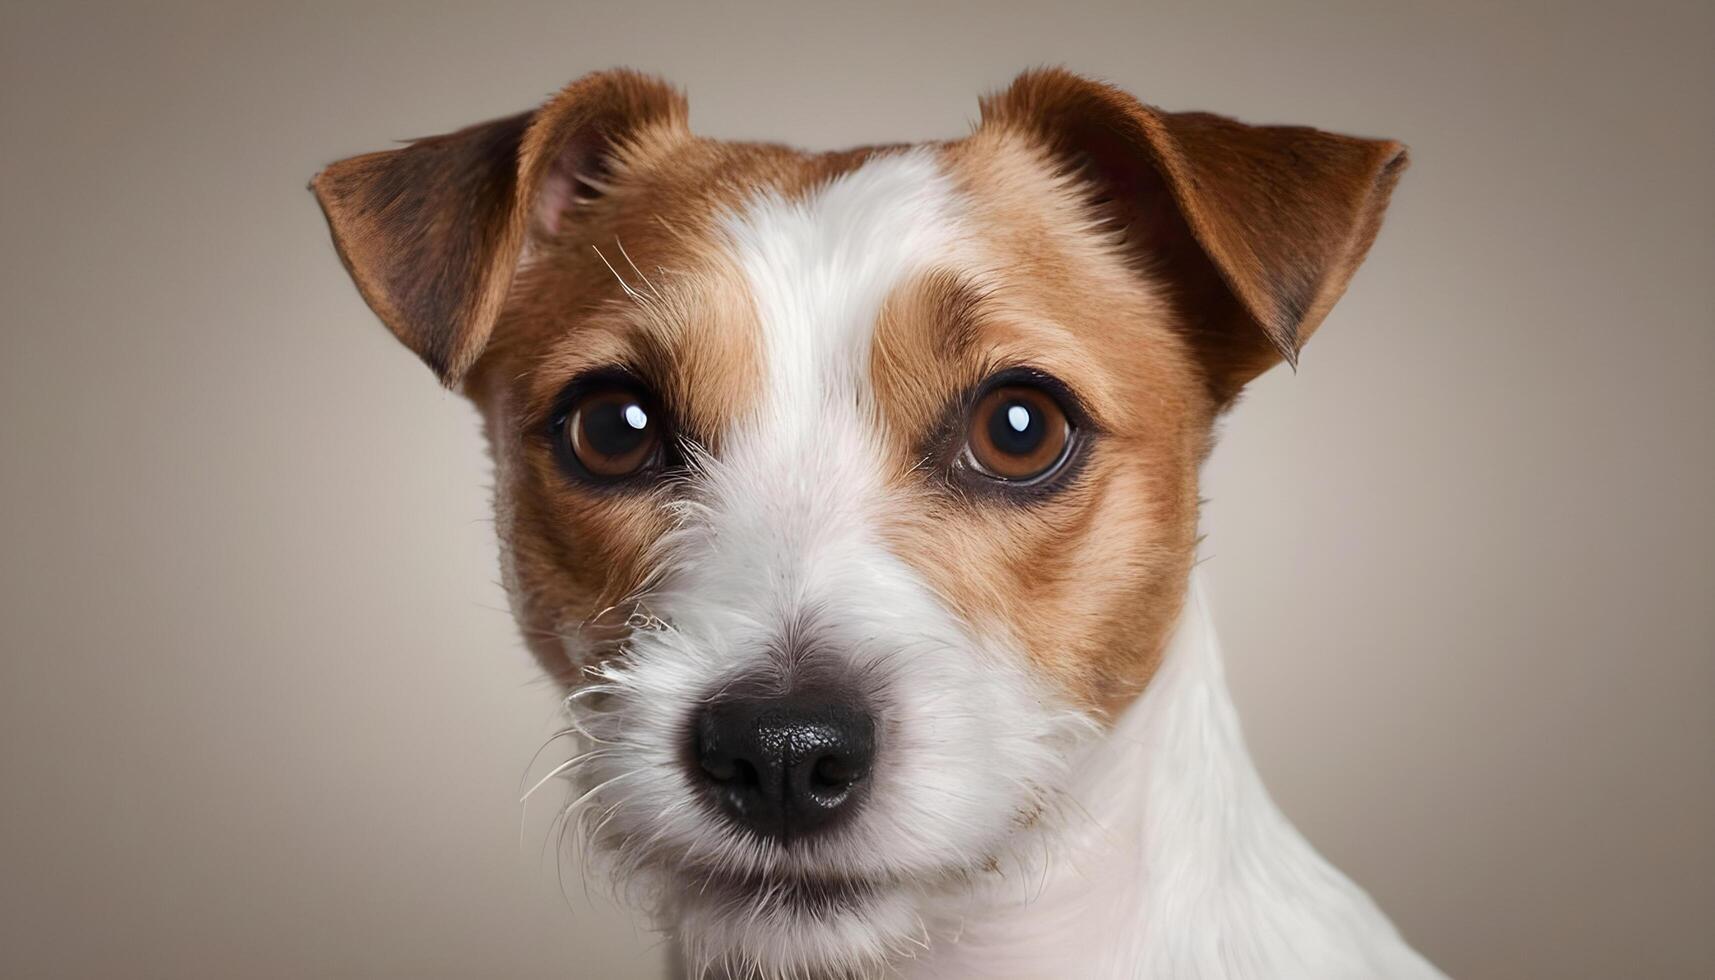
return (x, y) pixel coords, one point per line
(779, 565)
(786, 552)
(820, 267)
(796, 493)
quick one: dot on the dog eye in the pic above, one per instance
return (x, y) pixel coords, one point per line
(1017, 433)
(612, 431)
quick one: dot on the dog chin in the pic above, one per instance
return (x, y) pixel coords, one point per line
(790, 928)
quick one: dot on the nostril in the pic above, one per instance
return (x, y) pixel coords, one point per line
(726, 768)
(719, 770)
(717, 766)
(744, 775)
(833, 772)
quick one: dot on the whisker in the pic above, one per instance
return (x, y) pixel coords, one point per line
(634, 294)
(572, 763)
(562, 733)
(592, 791)
(634, 268)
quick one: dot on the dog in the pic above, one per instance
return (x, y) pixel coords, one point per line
(852, 500)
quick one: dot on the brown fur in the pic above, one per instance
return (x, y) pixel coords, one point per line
(1090, 579)
(1257, 229)
(1154, 262)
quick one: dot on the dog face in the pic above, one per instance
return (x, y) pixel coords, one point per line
(848, 495)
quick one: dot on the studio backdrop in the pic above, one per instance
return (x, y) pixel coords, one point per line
(263, 712)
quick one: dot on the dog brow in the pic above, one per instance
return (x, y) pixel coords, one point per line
(953, 302)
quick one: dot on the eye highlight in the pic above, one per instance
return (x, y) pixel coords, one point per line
(610, 429)
(1017, 433)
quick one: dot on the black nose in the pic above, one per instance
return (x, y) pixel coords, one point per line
(785, 767)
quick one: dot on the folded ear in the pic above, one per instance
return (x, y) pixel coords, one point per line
(1256, 229)
(433, 232)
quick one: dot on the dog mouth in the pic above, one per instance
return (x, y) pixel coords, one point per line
(816, 894)
(784, 923)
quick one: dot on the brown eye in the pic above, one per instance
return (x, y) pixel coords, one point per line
(1017, 433)
(612, 431)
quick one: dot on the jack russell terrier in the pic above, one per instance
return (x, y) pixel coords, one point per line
(852, 499)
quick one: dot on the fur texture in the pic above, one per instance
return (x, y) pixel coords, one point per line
(1176, 863)
(1057, 790)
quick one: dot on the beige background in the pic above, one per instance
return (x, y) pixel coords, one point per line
(261, 714)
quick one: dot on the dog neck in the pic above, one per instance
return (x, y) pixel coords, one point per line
(1172, 860)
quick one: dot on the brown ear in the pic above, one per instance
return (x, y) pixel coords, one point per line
(1257, 229)
(433, 232)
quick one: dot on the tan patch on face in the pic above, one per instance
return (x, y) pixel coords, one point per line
(1088, 579)
(637, 280)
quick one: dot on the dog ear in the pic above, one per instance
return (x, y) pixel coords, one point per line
(433, 232)
(1256, 229)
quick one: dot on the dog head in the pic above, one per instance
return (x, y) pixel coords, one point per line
(847, 493)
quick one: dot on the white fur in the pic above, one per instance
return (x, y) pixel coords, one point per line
(1182, 867)
(778, 556)
(1168, 861)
